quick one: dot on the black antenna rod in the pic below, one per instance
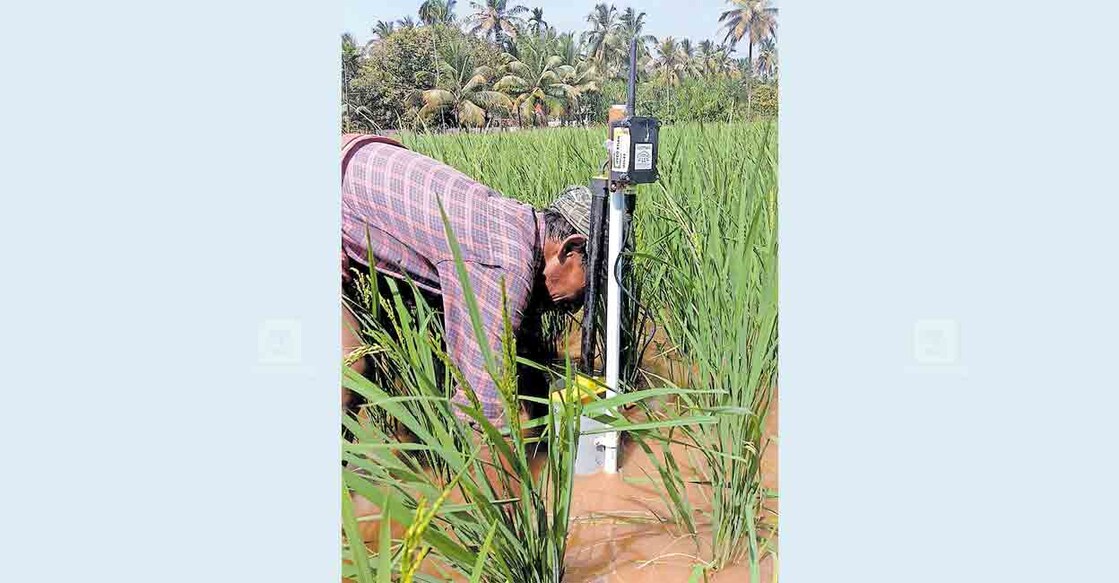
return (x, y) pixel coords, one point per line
(631, 89)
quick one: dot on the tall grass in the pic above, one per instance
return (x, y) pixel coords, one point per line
(517, 518)
(489, 501)
(714, 247)
(705, 264)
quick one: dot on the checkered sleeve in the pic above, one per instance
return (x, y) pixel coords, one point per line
(462, 343)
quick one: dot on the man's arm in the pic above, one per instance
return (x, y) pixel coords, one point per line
(462, 344)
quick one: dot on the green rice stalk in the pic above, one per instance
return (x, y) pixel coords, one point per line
(521, 518)
(705, 262)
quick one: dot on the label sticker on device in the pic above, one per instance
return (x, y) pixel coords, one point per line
(643, 157)
(621, 150)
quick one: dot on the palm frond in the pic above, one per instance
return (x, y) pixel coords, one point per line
(475, 83)
(492, 100)
(511, 84)
(470, 114)
(438, 98)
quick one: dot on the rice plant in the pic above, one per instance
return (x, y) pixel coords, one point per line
(489, 501)
(718, 296)
(501, 504)
(705, 264)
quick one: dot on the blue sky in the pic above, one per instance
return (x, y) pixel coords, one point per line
(695, 19)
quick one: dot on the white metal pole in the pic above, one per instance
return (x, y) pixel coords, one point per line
(616, 217)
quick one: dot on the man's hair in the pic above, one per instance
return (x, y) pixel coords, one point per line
(557, 228)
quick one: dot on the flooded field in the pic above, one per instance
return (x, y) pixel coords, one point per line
(705, 253)
(618, 531)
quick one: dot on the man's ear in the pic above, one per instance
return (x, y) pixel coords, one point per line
(572, 244)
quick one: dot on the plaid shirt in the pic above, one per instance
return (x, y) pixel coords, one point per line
(395, 192)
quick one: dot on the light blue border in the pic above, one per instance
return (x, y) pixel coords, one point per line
(169, 239)
(948, 292)
(170, 322)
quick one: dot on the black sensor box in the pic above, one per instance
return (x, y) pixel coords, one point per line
(634, 157)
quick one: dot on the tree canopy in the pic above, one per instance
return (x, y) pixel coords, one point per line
(501, 63)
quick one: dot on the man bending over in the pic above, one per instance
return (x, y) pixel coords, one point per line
(540, 254)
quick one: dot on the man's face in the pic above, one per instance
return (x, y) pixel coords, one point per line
(564, 275)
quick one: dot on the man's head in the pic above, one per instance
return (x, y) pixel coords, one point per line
(567, 224)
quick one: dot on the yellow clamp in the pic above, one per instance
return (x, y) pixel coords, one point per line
(586, 389)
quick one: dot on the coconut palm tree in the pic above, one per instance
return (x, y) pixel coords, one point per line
(753, 20)
(739, 68)
(495, 18)
(536, 22)
(437, 13)
(406, 23)
(671, 63)
(433, 12)
(351, 60)
(631, 24)
(721, 61)
(714, 59)
(463, 89)
(705, 54)
(767, 59)
(577, 70)
(351, 64)
(692, 65)
(687, 48)
(380, 31)
(599, 40)
(567, 48)
(383, 29)
(583, 76)
(537, 81)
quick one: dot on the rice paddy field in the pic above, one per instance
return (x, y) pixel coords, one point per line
(426, 498)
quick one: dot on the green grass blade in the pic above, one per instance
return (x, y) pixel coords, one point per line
(483, 555)
(384, 552)
(358, 555)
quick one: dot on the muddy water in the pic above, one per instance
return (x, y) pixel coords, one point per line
(612, 539)
(614, 536)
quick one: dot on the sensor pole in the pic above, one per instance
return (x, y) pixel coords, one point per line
(617, 219)
(632, 149)
(631, 86)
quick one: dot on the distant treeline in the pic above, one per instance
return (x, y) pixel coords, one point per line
(441, 73)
